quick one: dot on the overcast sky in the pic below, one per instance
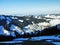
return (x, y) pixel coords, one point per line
(29, 6)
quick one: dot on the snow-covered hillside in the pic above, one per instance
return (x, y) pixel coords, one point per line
(25, 26)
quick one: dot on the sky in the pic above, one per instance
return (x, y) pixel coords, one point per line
(29, 6)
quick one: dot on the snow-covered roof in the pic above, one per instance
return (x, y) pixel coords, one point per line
(28, 30)
(12, 34)
(21, 20)
(3, 31)
(27, 19)
(12, 27)
(7, 22)
(8, 18)
(27, 26)
(18, 30)
(6, 32)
